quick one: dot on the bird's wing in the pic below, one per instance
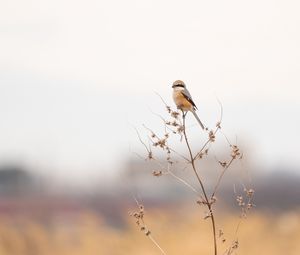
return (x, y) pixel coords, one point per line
(188, 97)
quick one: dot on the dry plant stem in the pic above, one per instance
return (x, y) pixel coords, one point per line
(221, 176)
(218, 127)
(206, 143)
(186, 159)
(207, 202)
(142, 142)
(156, 244)
(241, 218)
(168, 171)
(147, 231)
(168, 145)
(185, 183)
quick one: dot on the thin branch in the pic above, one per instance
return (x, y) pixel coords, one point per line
(201, 150)
(161, 99)
(142, 142)
(151, 131)
(221, 112)
(168, 171)
(208, 203)
(185, 183)
(221, 176)
(226, 138)
(218, 127)
(156, 244)
(192, 160)
(185, 158)
(144, 227)
(163, 119)
(138, 155)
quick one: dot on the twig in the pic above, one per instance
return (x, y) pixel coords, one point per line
(218, 127)
(208, 203)
(185, 158)
(161, 99)
(221, 176)
(141, 223)
(152, 132)
(168, 171)
(142, 142)
(184, 182)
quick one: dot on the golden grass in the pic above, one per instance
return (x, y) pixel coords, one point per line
(177, 234)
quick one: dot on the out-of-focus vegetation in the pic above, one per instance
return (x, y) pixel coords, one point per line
(88, 234)
(36, 218)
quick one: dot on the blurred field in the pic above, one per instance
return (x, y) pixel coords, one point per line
(184, 233)
(37, 221)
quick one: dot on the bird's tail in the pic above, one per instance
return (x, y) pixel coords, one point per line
(197, 118)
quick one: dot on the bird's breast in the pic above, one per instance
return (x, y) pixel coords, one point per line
(181, 101)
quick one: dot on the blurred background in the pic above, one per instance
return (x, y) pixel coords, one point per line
(77, 78)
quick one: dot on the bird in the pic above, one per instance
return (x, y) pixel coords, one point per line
(183, 99)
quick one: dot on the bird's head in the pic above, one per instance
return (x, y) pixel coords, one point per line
(178, 84)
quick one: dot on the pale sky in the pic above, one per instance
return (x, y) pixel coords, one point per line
(75, 76)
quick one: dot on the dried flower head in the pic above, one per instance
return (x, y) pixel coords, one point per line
(235, 245)
(207, 215)
(157, 173)
(174, 114)
(249, 192)
(235, 151)
(223, 163)
(174, 123)
(138, 215)
(240, 200)
(213, 200)
(180, 129)
(201, 202)
(221, 233)
(150, 155)
(211, 136)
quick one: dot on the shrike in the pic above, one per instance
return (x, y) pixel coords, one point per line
(183, 99)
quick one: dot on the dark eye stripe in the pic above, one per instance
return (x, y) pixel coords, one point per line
(178, 85)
